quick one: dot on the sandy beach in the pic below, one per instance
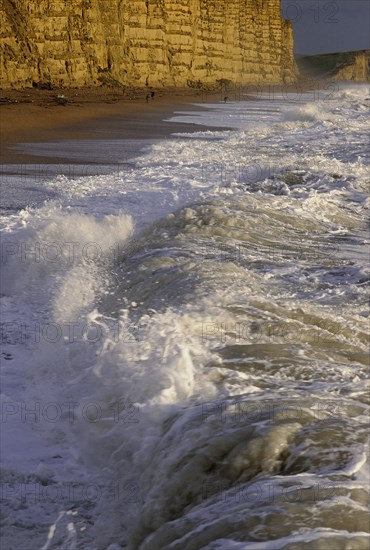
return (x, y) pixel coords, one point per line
(39, 116)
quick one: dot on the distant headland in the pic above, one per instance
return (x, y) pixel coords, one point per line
(352, 66)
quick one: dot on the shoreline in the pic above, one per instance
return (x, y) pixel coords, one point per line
(32, 116)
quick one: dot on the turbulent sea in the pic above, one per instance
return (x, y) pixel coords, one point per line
(185, 337)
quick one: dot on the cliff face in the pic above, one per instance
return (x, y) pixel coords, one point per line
(353, 66)
(143, 42)
(357, 69)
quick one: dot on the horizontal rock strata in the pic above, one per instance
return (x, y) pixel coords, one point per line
(143, 42)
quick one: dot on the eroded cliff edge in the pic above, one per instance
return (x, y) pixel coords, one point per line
(143, 42)
(353, 66)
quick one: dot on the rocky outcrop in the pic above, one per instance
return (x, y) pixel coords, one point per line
(353, 66)
(356, 69)
(143, 42)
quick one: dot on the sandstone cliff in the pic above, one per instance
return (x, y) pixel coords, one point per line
(143, 42)
(357, 69)
(354, 66)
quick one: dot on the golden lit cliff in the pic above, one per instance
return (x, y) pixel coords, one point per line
(143, 42)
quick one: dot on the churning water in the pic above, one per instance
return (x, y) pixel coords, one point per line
(185, 339)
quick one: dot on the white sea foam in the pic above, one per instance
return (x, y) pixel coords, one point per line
(217, 292)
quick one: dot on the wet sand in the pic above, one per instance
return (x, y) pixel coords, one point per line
(84, 118)
(35, 116)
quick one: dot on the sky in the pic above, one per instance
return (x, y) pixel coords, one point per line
(326, 26)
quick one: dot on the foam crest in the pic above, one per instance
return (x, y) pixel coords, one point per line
(53, 243)
(224, 342)
(307, 113)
